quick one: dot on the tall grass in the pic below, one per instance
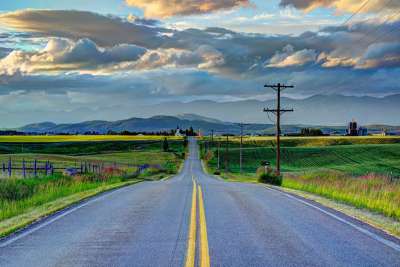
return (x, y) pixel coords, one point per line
(19, 195)
(373, 192)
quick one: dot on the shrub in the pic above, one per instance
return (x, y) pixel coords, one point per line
(12, 189)
(269, 176)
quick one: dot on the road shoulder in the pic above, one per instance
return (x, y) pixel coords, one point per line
(389, 227)
(38, 214)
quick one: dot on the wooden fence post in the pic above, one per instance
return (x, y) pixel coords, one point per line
(23, 168)
(9, 167)
(35, 168)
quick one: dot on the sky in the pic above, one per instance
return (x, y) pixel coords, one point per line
(76, 60)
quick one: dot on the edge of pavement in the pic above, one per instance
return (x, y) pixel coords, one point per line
(13, 226)
(386, 225)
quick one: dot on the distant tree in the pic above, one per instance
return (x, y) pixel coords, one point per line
(165, 145)
(311, 132)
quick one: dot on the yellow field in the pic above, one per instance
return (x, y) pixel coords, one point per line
(314, 141)
(80, 138)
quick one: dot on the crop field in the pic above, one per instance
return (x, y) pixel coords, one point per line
(269, 141)
(363, 172)
(351, 159)
(80, 138)
(19, 156)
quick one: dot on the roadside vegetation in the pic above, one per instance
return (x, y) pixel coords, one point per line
(374, 192)
(345, 169)
(19, 196)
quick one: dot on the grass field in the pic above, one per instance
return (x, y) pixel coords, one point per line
(269, 141)
(80, 138)
(18, 196)
(351, 159)
(372, 192)
(363, 172)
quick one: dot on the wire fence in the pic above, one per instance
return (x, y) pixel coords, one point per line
(40, 168)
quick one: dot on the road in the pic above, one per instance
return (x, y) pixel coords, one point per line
(197, 220)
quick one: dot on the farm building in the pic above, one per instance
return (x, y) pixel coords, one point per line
(354, 130)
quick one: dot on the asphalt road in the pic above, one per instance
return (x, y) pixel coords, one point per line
(194, 219)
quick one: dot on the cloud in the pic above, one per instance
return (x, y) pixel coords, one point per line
(229, 53)
(91, 72)
(343, 5)
(104, 30)
(381, 55)
(204, 57)
(168, 8)
(65, 55)
(288, 57)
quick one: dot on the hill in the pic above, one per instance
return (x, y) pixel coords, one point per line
(316, 110)
(152, 124)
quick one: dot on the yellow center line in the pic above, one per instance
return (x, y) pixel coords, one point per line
(204, 252)
(191, 247)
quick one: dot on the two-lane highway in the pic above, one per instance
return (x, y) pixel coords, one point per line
(197, 220)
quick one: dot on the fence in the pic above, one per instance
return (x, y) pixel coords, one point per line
(35, 168)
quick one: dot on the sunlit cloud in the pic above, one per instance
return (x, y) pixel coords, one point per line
(167, 8)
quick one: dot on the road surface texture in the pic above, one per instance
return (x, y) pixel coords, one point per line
(197, 220)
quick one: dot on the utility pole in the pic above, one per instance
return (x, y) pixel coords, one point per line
(226, 154)
(212, 138)
(219, 147)
(241, 146)
(278, 112)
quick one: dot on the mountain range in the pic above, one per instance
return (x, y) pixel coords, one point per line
(152, 124)
(183, 121)
(316, 110)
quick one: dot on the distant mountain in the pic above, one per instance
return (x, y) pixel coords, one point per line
(153, 124)
(315, 110)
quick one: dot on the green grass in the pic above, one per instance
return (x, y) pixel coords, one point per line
(17, 195)
(351, 159)
(362, 175)
(372, 192)
(310, 141)
(86, 147)
(34, 213)
(80, 138)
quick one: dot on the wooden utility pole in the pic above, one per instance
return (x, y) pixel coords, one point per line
(219, 147)
(278, 112)
(212, 139)
(241, 146)
(227, 154)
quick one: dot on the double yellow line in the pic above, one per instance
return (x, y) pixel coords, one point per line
(191, 247)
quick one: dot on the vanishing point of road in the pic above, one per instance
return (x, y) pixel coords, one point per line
(194, 219)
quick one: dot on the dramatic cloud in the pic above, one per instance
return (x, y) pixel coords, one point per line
(343, 5)
(108, 66)
(288, 57)
(103, 30)
(64, 55)
(205, 57)
(168, 8)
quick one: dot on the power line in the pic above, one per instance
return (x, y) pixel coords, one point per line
(355, 13)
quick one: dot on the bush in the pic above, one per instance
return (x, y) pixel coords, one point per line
(217, 172)
(13, 189)
(269, 177)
